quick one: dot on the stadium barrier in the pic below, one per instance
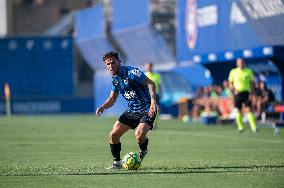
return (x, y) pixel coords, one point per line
(49, 106)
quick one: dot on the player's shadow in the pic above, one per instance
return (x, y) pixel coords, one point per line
(188, 170)
(185, 170)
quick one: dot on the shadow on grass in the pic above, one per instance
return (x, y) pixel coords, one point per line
(188, 170)
(160, 170)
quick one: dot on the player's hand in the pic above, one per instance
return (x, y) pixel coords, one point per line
(99, 111)
(153, 109)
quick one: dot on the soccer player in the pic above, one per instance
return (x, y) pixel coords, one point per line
(241, 80)
(156, 78)
(140, 92)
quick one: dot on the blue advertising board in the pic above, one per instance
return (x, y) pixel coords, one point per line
(212, 26)
(49, 105)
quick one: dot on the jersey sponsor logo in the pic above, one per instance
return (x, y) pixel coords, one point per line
(191, 23)
(129, 94)
(136, 72)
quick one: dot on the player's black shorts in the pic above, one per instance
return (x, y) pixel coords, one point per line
(242, 98)
(132, 120)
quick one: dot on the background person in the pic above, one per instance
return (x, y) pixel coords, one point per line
(156, 78)
(265, 99)
(241, 80)
(254, 96)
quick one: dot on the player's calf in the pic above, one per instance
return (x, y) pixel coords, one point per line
(143, 149)
(142, 154)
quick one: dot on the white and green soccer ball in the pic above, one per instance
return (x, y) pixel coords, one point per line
(131, 161)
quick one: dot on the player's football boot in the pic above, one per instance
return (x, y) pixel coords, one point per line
(142, 154)
(116, 165)
(241, 130)
(255, 130)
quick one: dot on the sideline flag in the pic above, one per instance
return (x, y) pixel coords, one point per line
(7, 96)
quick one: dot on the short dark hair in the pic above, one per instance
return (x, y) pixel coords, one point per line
(111, 54)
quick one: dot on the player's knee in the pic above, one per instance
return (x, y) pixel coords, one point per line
(114, 136)
(139, 136)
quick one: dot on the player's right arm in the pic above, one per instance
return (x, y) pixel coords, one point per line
(108, 103)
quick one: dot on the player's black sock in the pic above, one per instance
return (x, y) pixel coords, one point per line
(115, 150)
(143, 145)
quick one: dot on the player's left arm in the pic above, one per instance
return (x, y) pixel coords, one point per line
(152, 90)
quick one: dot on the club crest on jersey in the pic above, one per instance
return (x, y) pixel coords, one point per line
(129, 94)
(136, 72)
(125, 81)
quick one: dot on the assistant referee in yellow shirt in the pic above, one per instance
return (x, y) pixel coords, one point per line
(241, 79)
(156, 78)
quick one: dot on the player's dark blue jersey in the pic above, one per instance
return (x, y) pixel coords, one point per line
(129, 84)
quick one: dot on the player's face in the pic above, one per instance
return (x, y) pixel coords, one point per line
(225, 83)
(240, 63)
(148, 67)
(113, 65)
(262, 85)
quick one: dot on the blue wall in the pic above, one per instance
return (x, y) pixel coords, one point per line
(89, 23)
(90, 37)
(36, 66)
(129, 13)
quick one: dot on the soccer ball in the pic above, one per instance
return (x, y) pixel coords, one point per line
(131, 161)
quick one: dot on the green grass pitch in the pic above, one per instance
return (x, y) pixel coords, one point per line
(73, 150)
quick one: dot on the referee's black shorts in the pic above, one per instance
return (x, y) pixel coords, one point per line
(242, 98)
(133, 120)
